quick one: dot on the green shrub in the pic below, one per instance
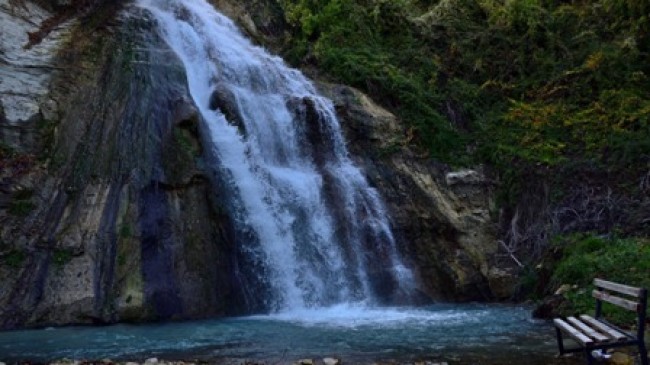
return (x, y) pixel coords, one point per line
(20, 208)
(586, 257)
(60, 257)
(539, 82)
(20, 204)
(14, 258)
(126, 230)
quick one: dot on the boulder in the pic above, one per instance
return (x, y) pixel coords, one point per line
(551, 307)
(502, 283)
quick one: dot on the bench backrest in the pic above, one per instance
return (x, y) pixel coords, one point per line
(624, 296)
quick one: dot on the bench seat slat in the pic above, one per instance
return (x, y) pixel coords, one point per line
(590, 332)
(573, 332)
(625, 289)
(611, 332)
(624, 303)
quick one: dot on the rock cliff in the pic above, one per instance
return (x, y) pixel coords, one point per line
(107, 213)
(443, 218)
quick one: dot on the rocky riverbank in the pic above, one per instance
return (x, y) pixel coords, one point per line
(497, 359)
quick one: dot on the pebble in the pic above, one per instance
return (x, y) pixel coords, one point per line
(305, 362)
(563, 289)
(331, 361)
(152, 360)
(131, 363)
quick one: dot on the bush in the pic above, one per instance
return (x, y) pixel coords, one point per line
(14, 259)
(585, 257)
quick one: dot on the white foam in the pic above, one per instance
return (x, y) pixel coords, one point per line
(359, 315)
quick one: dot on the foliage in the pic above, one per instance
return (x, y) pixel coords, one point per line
(372, 45)
(14, 258)
(60, 257)
(6, 151)
(538, 82)
(21, 204)
(126, 230)
(586, 257)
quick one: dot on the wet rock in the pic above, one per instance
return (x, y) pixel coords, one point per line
(305, 362)
(551, 307)
(185, 113)
(152, 360)
(502, 283)
(225, 101)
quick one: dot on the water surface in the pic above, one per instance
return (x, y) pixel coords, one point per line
(357, 334)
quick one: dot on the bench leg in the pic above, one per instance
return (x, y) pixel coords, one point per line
(643, 353)
(590, 359)
(560, 343)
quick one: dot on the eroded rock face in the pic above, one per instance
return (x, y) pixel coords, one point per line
(25, 73)
(119, 222)
(442, 218)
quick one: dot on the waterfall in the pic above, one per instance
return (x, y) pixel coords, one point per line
(311, 230)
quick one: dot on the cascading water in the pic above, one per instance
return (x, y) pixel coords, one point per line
(312, 230)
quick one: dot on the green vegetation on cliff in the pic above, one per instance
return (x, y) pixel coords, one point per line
(516, 81)
(553, 94)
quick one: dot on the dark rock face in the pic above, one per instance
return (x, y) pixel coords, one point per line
(222, 99)
(157, 248)
(120, 223)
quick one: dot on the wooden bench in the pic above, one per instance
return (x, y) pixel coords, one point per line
(595, 333)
